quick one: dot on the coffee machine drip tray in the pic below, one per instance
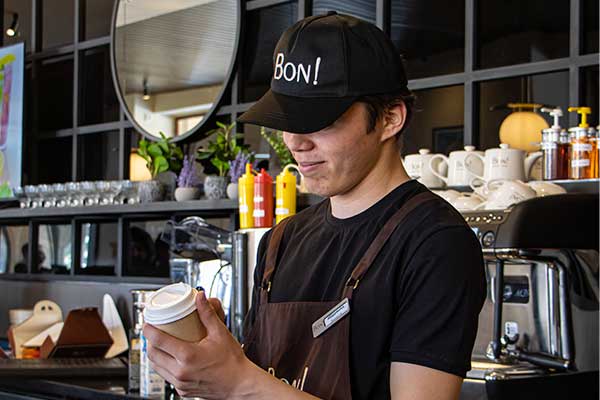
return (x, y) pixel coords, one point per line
(487, 370)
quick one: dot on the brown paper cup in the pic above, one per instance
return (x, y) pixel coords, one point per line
(188, 328)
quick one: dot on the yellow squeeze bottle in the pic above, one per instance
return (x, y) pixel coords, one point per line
(285, 194)
(246, 198)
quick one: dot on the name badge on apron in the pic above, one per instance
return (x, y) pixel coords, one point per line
(331, 317)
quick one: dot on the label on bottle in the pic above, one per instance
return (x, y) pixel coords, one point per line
(549, 145)
(134, 365)
(279, 202)
(244, 208)
(282, 211)
(582, 147)
(580, 163)
(259, 199)
(152, 385)
(258, 213)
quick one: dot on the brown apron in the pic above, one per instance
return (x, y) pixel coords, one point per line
(281, 339)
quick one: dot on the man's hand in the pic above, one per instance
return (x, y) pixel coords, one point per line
(213, 368)
(415, 382)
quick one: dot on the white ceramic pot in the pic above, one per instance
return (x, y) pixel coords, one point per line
(503, 163)
(418, 167)
(546, 188)
(187, 194)
(233, 191)
(458, 174)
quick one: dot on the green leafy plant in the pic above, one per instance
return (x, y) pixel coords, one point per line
(275, 140)
(161, 156)
(223, 150)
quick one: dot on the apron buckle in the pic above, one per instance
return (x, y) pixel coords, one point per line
(266, 286)
(352, 282)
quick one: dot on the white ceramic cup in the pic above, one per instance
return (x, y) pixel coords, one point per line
(467, 202)
(543, 189)
(505, 193)
(417, 167)
(448, 195)
(172, 309)
(458, 174)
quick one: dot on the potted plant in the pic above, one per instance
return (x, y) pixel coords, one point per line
(187, 182)
(219, 153)
(163, 160)
(237, 168)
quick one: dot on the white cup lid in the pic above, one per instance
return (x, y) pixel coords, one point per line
(170, 304)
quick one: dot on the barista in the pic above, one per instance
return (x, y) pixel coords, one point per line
(394, 269)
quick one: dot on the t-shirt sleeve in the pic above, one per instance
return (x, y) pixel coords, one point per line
(261, 256)
(440, 292)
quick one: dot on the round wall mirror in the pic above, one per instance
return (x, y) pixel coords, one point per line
(172, 61)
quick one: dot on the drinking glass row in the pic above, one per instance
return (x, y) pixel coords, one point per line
(77, 194)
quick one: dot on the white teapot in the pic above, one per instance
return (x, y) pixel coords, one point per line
(417, 167)
(504, 163)
(458, 175)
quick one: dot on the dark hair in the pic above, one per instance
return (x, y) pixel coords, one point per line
(378, 105)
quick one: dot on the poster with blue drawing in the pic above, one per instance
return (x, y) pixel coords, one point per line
(11, 117)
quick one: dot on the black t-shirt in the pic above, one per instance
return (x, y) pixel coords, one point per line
(418, 303)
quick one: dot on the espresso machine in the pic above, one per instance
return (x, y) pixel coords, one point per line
(538, 329)
(208, 257)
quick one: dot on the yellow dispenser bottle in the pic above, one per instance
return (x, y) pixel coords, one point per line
(246, 198)
(581, 148)
(285, 194)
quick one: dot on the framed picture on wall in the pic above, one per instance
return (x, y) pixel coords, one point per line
(11, 117)
(447, 139)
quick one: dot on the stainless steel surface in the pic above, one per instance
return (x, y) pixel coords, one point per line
(239, 297)
(533, 318)
(553, 328)
(139, 298)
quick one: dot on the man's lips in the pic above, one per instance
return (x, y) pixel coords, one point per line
(309, 166)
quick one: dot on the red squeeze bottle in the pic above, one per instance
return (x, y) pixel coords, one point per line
(263, 200)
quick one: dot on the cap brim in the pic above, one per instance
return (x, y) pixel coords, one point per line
(296, 114)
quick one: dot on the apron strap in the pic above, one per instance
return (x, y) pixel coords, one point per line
(272, 251)
(380, 240)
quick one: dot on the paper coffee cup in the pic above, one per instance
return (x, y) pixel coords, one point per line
(172, 309)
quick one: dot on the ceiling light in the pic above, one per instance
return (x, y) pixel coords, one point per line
(14, 25)
(146, 95)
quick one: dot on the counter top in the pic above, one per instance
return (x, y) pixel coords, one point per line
(74, 388)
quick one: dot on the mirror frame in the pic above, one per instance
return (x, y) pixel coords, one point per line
(216, 104)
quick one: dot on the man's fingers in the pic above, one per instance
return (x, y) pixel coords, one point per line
(208, 315)
(159, 357)
(216, 303)
(165, 342)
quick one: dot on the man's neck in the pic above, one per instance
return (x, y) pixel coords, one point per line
(385, 176)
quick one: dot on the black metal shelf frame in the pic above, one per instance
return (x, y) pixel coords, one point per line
(574, 63)
(469, 78)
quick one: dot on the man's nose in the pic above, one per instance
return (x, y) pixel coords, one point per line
(297, 142)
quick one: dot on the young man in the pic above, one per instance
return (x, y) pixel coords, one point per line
(375, 292)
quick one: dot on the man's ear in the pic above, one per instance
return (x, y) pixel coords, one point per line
(393, 121)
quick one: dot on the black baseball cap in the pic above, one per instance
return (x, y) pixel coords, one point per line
(321, 65)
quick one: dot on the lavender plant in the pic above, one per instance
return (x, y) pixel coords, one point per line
(188, 177)
(237, 166)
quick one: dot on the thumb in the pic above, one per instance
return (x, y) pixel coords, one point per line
(208, 315)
